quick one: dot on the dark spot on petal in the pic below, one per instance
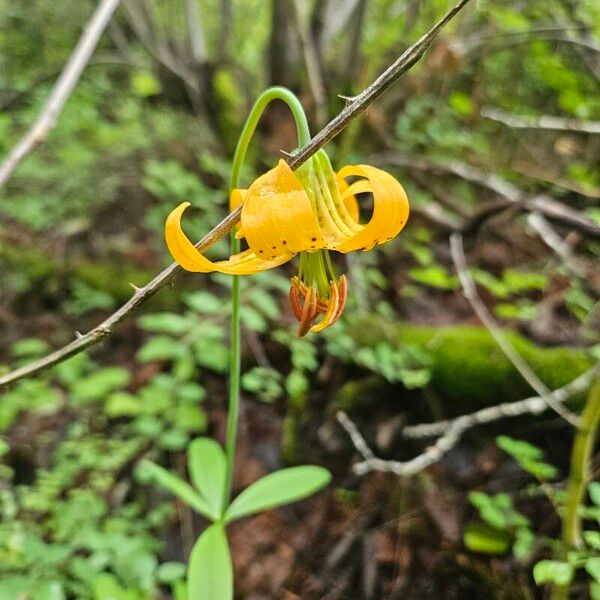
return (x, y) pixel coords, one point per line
(284, 242)
(314, 239)
(260, 251)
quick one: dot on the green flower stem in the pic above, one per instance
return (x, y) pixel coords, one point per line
(579, 476)
(303, 133)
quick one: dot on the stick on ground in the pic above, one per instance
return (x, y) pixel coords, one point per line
(64, 86)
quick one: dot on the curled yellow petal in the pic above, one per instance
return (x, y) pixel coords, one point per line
(277, 217)
(183, 251)
(390, 207)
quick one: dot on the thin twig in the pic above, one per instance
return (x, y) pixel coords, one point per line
(557, 244)
(371, 463)
(470, 292)
(533, 406)
(403, 64)
(452, 430)
(63, 88)
(556, 211)
(548, 122)
(313, 68)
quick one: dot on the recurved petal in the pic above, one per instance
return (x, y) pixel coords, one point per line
(183, 251)
(349, 199)
(390, 207)
(277, 216)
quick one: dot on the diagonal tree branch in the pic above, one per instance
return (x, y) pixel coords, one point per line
(358, 105)
(62, 89)
(533, 406)
(547, 122)
(470, 292)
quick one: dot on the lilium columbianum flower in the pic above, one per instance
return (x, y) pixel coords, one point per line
(307, 212)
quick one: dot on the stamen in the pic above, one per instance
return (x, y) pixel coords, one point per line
(309, 311)
(331, 309)
(343, 295)
(294, 300)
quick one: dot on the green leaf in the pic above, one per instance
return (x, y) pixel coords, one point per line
(277, 489)
(518, 448)
(594, 590)
(296, 384)
(523, 545)
(539, 469)
(552, 571)
(264, 382)
(435, 276)
(99, 384)
(592, 566)
(106, 587)
(207, 465)
(29, 347)
(170, 572)
(204, 302)
(480, 537)
(594, 491)
(592, 538)
(149, 471)
(160, 347)
(144, 84)
(210, 572)
(166, 323)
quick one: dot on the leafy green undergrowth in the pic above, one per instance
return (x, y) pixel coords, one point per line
(503, 528)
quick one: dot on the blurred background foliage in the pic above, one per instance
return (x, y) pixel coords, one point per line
(152, 123)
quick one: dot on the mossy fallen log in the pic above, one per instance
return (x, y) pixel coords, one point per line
(468, 369)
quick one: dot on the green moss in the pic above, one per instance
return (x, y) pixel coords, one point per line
(469, 371)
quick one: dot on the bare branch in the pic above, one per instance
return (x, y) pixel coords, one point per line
(195, 32)
(333, 128)
(470, 292)
(311, 60)
(452, 430)
(547, 122)
(541, 203)
(533, 406)
(371, 463)
(557, 244)
(62, 88)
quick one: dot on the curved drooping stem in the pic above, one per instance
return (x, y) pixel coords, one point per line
(303, 133)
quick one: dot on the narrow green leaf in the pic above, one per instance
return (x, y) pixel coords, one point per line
(592, 566)
(481, 537)
(210, 572)
(206, 464)
(552, 571)
(179, 488)
(592, 539)
(277, 489)
(518, 448)
(594, 490)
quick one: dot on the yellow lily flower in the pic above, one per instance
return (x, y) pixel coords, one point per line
(307, 212)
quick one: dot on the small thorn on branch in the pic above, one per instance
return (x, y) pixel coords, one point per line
(78, 335)
(285, 153)
(347, 99)
(136, 289)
